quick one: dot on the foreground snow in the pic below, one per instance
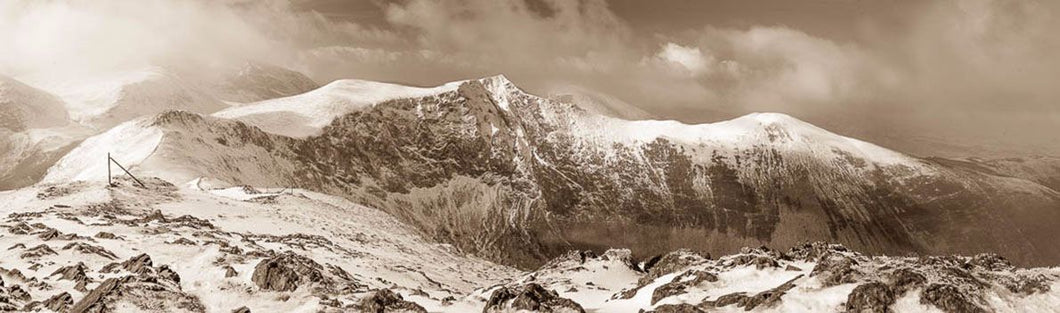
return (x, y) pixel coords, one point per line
(201, 234)
(84, 246)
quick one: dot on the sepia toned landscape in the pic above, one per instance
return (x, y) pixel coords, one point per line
(529, 156)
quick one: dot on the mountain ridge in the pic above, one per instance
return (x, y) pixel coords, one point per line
(452, 162)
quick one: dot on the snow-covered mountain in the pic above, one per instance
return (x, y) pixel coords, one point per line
(519, 179)
(256, 81)
(35, 131)
(306, 114)
(23, 107)
(107, 100)
(37, 127)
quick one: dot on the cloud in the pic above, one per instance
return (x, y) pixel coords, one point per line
(956, 67)
(688, 60)
(53, 39)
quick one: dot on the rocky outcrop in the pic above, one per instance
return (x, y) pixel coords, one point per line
(386, 301)
(143, 285)
(835, 269)
(949, 299)
(762, 299)
(874, 297)
(677, 308)
(90, 249)
(57, 303)
(38, 251)
(74, 273)
(287, 272)
(530, 297)
(680, 283)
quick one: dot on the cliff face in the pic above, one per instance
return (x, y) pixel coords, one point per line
(519, 179)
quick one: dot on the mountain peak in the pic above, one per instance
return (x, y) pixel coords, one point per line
(500, 88)
(498, 79)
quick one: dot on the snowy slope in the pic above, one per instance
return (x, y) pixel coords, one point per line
(305, 114)
(201, 234)
(807, 278)
(166, 248)
(597, 102)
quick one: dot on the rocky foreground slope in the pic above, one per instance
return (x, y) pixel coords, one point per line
(520, 179)
(86, 247)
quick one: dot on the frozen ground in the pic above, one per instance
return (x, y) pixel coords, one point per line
(84, 246)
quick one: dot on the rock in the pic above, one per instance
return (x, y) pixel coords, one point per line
(989, 261)
(680, 283)
(835, 269)
(20, 229)
(759, 261)
(448, 300)
(874, 297)
(156, 215)
(59, 302)
(155, 289)
(49, 234)
(15, 292)
(811, 252)
(285, 272)
(230, 271)
(94, 300)
(241, 310)
(183, 241)
(530, 297)
(53, 234)
(671, 262)
(949, 299)
(765, 298)
(677, 308)
(38, 251)
(905, 279)
(81, 286)
(74, 273)
(728, 299)
(138, 264)
(1029, 284)
(385, 300)
(106, 235)
(90, 249)
(667, 290)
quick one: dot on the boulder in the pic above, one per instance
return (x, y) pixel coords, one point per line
(905, 279)
(874, 297)
(386, 301)
(530, 297)
(74, 273)
(765, 298)
(680, 283)
(949, 298)
(286, 272)
(835, 269)
(677, 308)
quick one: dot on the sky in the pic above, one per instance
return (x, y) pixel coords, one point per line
(946, 77)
